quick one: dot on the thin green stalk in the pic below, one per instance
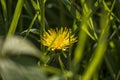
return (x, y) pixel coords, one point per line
(16, 17)
(42, 13)
(61, 63)
(97, 59)
(71, 8)
(62, 66)
(14, 22)
(87, 10)
(80, 48)
(41, 18)
(69, 61)
(5, 13)
(4, 7)
(109, 67)
(31, 24)
(94, 64)
(82, 38)
(27, 8)
(100, 50)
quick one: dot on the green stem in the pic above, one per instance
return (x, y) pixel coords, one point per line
(100, 50)
(14, 22)
(62, 66)
(42, 12)
(94, 64)
(61, 63)
(80, 48)
(3, 4)
(41, 18)
(16, 17)
(109, 67)
(31, 24)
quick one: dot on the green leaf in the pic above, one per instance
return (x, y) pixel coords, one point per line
(17, 45)
(33, 30)
(12, 71)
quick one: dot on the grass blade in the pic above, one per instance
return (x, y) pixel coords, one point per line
(16, 17)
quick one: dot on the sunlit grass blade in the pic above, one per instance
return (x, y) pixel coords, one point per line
(78, 54)
(80, 48)
(100, 49)
(75, 12)
(16, 17)
(95, 63)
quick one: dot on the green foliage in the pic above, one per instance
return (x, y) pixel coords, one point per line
(95, 56)
(12, 68)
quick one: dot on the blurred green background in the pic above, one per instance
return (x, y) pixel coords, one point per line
(95, 56)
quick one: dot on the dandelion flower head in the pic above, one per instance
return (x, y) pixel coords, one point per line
(58, 39)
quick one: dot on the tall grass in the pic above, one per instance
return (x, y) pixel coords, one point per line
(95, 55)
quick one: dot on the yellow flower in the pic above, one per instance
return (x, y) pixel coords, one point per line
(58, 39)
